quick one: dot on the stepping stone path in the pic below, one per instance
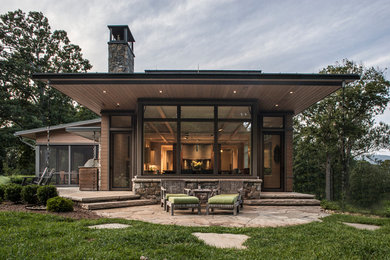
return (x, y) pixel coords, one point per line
(223, 240)
(109, 226)
(362, 226)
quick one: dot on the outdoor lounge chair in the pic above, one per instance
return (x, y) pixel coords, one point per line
(172, 188)
(224, 201)
(44, 179)
(229, 196)
(232, 187)
(186, 202)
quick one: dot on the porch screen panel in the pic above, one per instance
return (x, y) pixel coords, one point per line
(58, 160)
(80, 154)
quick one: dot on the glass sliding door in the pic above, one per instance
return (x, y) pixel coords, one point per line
(120, 161)
(272, 161)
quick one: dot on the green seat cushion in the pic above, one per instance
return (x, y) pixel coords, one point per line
(224, 199)
(184, 200)
(168, 195)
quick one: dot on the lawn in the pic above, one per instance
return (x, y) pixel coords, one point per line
(28, 235)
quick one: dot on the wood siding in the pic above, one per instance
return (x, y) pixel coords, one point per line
(62, 137)
(104, 153)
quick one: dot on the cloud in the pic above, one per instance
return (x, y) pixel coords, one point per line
(274, 36)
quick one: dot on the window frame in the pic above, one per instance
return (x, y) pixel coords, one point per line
(215, 103)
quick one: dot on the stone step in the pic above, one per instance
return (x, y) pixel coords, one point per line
(97, 198)
(285, 195)
(282, 202)
(116, 204)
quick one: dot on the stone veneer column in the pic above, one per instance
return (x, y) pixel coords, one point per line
(104, 153)
(289, 152)
(120, 58)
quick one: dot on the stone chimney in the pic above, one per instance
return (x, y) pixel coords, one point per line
(120, 49)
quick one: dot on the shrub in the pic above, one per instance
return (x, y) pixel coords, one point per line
(368, 184)
(46, 192)
(12, 192)
(331, 205)
(29, 194)
(59, 204)
(2, 189)
(16, 179)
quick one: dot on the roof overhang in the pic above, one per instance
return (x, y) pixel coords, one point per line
(120, 91)
(32, 133)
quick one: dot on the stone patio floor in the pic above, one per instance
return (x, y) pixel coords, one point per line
(250, 216)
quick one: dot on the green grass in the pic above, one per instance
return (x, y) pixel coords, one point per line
(30, 236)
(381, 208)
(4, 179)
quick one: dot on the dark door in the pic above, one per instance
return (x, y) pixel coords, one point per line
(273, 161)
(121, 163)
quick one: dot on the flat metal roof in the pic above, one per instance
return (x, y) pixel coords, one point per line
(30, 132)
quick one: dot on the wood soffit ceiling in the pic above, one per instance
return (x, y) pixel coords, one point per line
(274, 92)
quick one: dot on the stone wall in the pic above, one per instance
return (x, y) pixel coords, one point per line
(120, 58)
(150, 188)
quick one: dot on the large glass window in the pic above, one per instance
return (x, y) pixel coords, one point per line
(120, 121)
(160, 147)
(197, 144)
(234, 147)
(197, 112)
(273, 122)
(212, 139)
(160, 111)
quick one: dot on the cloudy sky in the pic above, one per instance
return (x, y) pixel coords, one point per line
(272, 36)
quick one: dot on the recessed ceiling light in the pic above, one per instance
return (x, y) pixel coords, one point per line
(276, 105)
(291, 92)
(220, 130)
(160, 91)
(234, 91)
(105, 91)
(117, 104)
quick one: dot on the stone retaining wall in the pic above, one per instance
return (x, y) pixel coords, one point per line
(150, 188)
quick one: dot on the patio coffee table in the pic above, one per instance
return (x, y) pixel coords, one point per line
(197, 192)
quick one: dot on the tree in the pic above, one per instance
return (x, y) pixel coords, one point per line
(342, 126)
(28, 46)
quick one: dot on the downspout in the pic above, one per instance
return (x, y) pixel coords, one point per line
(27, 143)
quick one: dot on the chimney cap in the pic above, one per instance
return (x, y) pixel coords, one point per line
(119, 29)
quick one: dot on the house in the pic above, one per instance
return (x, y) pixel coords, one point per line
(197, 125)
(70, 145)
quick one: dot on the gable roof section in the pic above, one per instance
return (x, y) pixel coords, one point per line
(275, 92)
